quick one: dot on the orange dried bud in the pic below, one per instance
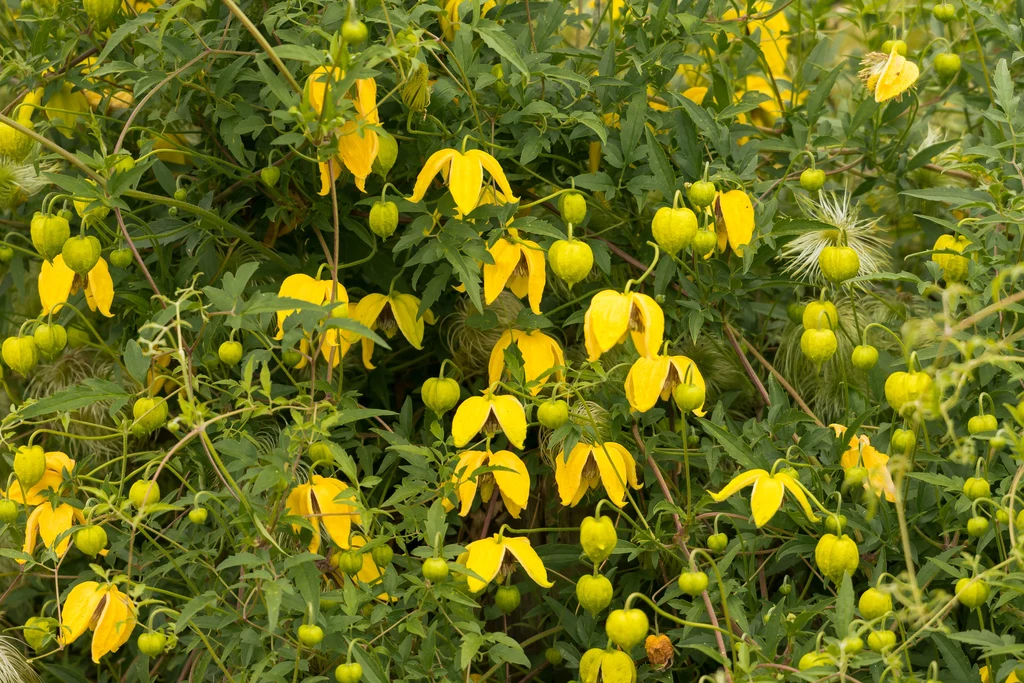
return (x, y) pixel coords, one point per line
(660, 652)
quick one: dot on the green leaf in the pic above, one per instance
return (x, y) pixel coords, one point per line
(494, 35)
(953, 658)
(736, 449)
(844, 607)
(90, 391)
(135, 361)
(821, 93)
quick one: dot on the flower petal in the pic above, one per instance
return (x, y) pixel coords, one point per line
(737, 213)
(613, 472)
(689, 373)
(99, 292)
(645, 382)
(511, 417)
(465, 178)
(766, 499)
(607, 319)
(794, 487)
(405, 308)
(648, 341)
(506, 257)
(469, 463)
(79, 607)
(628, 463)
(569, 474)
(115, 623)
(357, 148)
(496, 363)
(484, 557)
(537, 274)
(469, 419)
(897, 77)
(494, 168)
(741, 480)
(529, 559)
(55, 281)
(329, 172)
(31, 532)
(336, 515)
(431, 168)
(513, 482)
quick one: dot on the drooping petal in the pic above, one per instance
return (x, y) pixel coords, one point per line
(607, 319)
(31, 532)
(496, 363)
(528, 558)
(296, 504)
(569, 474)
(628, 463)
(405, 308)
(613, 473)
(513, 482)
(367, 311)
(512, 418)
(99, 292)
(465, 490)
(541, 353)
(740, 481)
(54, 522)
(55, 282)
(431, 168)
(793, 486)
(469, 419)
(735, 214)
(899, 75)
(506, 257)
(484, 557)
(330, 170)
(648, 340)
(357, 148)
(79, 607)
(115, 624)
(319, 84)
(465, 178)
(536, 274)
(337, 516)
(129, 624)
(645, 382)
(302, 287)
(494, 168)
(766, 499)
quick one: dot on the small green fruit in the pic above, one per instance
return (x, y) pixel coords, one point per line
(198, 516)
(947, 65)
(348, 673)
(20, 354)
(864, 357)
(382, 555)
(977, 526)
(598, 538)
(29, 465)
(152, 644)
(553, 413)
(812, 179)
(435, 569)
(689, 397)
(702, 193)
(594, 593)
(91, 539)
(270, 175)
(150, 414)
(144, 492)
(838, 264)
(693, 583)
(717, 543)
(384, 219)
(507, 599)
(50, 339)
(8, 511)
(81, 254)
(627, 628)
(440, 394)
(573, 207)
(976, 487)
(571, 260)
(354, 32)
(310, 635)
(230, 352)
(945, 13)
(874, 604)
(350, 562)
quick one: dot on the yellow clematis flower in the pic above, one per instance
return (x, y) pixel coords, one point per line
(317, 501)
(465, 177)
(862, 454)
(358, 143)
(390, 314)
(986, 676)
(318, 292)
(491, 413)
(50, 523)
(541, 357)
(487, 557)
(57, 464)
(588, 465)
(888, 76)
(651, 378)
(104, 609)
(734, 220)
(57, 282)
(612, 315)
(519, 266)
(510, 476)
(766, 498)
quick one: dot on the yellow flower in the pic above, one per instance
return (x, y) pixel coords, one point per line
(317, 502)
(465, 177)
(510, 476)
(541, 356)
(486, 557)
(450, 19)
(318, 292)
(390, 314)
(591, 464)
(612, 315)
(986, 677)
(169, 146)
(734, 220)
(696, 94)
(66, 105)
(519, 266)
(56, 464)
(50, 523)
(766, 498)
(358, 143)
(57, 282)
(491, 413)
(651, 378)
(862, 453)
(888, 76)
(104, 609)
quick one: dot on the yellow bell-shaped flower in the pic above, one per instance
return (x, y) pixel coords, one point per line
(358, 143)
(487, 557)
(57, 282)
(490, 413)
(103, 608)
(766, 498)
(589, 465)
(652, 378)
(52, 524)
(519, 266)
(465, 177)
(509, 476)
(318, 501)
(612, 315)
(389, 314)
(542, 357)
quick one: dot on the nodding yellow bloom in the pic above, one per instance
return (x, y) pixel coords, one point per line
(519, 266)
(588, 465)
(50, 523)
(100, 607)
(317, 501)
(888, 76)
(651, 378)
(541, 357)
(766, 498)
(465, 177)
(862, 454)
(57, 282)
(612, 315)
(318, 292)
(390, 314)
(492, 414)
(489, 556)
(734, 220)
(119, 97)
(57, 464)
(510, 476)
(358, 143)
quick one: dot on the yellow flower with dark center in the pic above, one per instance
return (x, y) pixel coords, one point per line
(465, 177)
(766, 498)
(590, 465)
(57, 464)
(888, 76)
(389, 314)
(50, 523)
(510, 476)
(656, 377)
(862, 454)
(490, 556)
(335, 343)
(519, 266)
(490, 413)
(104, 609)
(541, 357)
(57, 282)
(734, 220)
(358, 143)
(324, 503)
(612, 315)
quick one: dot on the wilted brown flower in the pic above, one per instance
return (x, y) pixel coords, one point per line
(660, 652)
